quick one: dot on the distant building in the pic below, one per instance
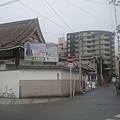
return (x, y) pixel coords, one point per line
(62, 48)
(93, 43)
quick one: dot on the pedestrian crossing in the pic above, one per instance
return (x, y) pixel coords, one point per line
(116, 117)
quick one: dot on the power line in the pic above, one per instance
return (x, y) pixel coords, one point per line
(96, 1)
(53, 33)
(58, 15)
(10, 2)
(42, 15)
(88, 12)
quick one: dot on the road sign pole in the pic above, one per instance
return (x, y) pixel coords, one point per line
(70, 63)
(80, 65)
(70, 83)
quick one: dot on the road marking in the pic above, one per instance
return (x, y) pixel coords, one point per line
(117, 116)
(110, 119)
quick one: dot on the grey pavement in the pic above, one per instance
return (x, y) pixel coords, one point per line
(9, 101)
(29, 100)
(97, 104)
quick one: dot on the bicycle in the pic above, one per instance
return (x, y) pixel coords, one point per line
(9, 95)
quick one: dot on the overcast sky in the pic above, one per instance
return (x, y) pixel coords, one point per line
(76, 15)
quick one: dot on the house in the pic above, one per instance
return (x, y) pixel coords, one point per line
(28, 79)
(12, 38)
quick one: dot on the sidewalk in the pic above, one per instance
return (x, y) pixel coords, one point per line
(7, 101)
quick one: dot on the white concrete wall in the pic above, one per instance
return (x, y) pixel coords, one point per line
(2, 66)
(39, 74)
(9, 80)
(66, 75)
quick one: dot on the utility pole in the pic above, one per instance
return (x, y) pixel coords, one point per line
(80, 65)
(116, 3)
(101, 69)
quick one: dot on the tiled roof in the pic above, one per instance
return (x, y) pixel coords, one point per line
(11, 34)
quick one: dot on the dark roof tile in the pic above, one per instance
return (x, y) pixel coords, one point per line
(11, 34)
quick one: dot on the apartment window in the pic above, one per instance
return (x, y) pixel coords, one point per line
(76, 36)
(68, 54)
(106, 50)
(88, 46)
(89, 51)
(106, 45)
(106, 35)
(89, 32)
(88, 37)
(76, 40)
(68, 45)
(68, 36)
(61, 44)
(68, 50)
(106, 39)
(88, 41)
(68, 41)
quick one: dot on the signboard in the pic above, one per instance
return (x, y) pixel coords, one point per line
(36, 52)
(70, 64)
(70, 59)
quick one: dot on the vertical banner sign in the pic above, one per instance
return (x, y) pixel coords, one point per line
(35, 52)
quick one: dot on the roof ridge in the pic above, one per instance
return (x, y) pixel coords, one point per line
(17, 22)
(20, 33)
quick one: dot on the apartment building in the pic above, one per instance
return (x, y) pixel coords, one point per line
(93, 43)
(62, 48)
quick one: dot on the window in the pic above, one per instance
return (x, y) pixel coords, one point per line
(68, 41)
(68, 36)
(106, 39)
(88, 37)
(68, 54)
(106, 45)
(106, 50)
(61, 44)
(68, 45)
(68, 50)
(89, 32)
(89, 51)
(88, 46)
(57, 76)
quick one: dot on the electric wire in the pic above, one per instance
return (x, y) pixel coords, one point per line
(95, 1)
(88, 12)
(53, 33)
(13, 1)
(59, 15)
(10, 2)
(43, 16)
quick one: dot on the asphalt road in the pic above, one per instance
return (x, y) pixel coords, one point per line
(99, 104)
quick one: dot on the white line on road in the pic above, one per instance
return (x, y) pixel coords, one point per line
(118, 116)
(110, 119)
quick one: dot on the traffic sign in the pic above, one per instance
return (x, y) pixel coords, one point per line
(70, 64)
(70, 59)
